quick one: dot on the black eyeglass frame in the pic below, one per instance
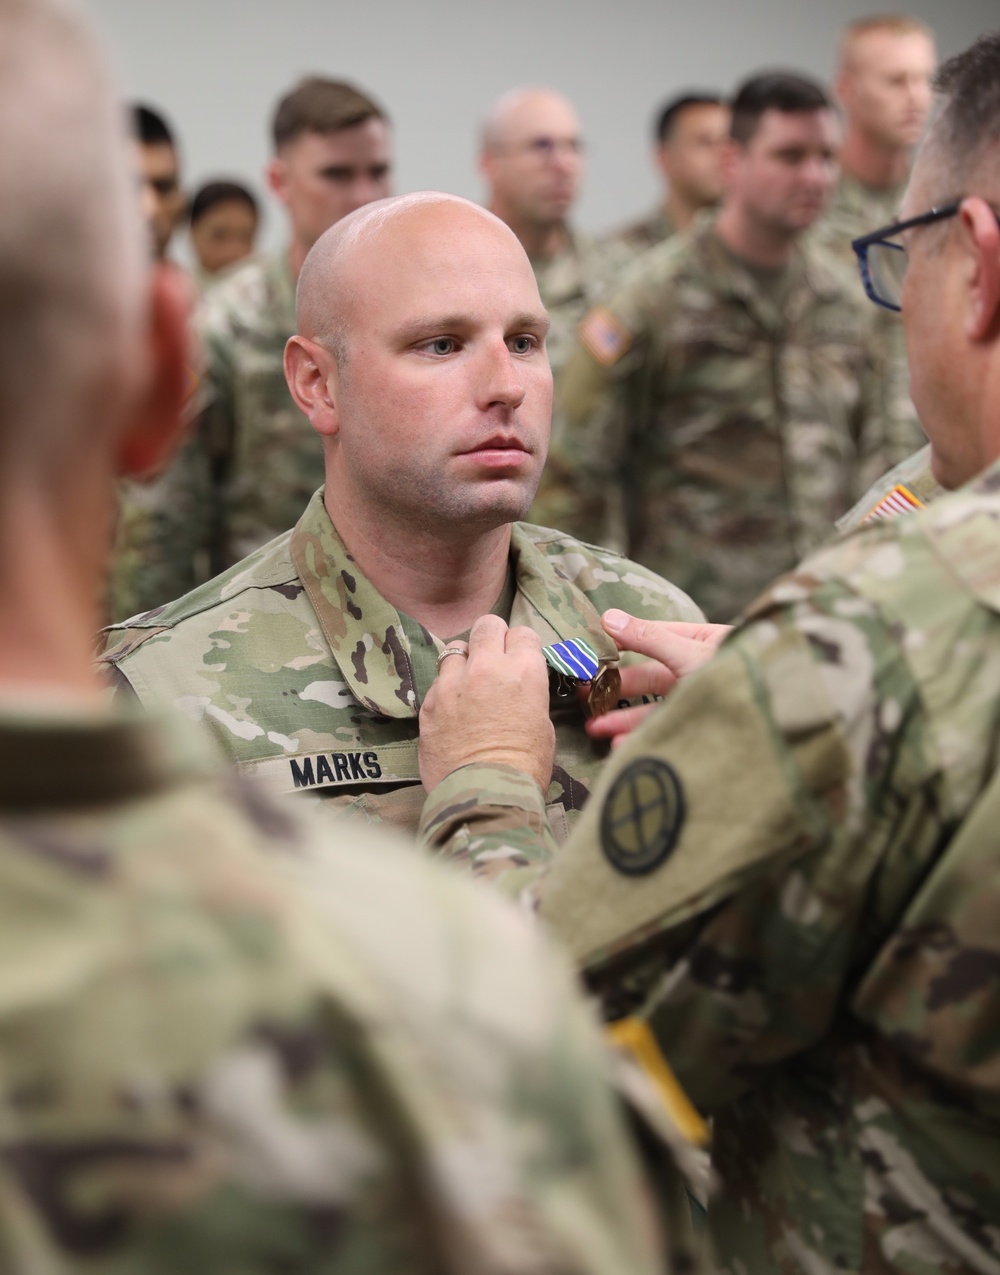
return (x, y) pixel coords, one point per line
(883, 237)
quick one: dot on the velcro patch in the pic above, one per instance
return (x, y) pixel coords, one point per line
(898, 501)
(359, 767)
(642, 815)
(604, 335)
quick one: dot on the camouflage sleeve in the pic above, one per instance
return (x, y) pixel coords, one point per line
(466, 820)
(888, 429)
(162, 534)
(751, 837)
(583, 488)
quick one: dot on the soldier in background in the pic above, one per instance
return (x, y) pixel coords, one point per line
(159, 176)
(225, 1045)
(728, 403)
(883, 84)
(691, 132)
(223, 218)
(792, 866)
(532, 160)
(253, 462)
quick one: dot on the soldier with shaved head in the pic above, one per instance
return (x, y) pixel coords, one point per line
(532, 160)
(420, 361)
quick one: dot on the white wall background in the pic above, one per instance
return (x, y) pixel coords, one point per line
(216, 68)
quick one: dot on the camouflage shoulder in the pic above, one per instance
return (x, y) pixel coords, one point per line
(609, 579)
(270, 567)
(907, 486)
(234, 302)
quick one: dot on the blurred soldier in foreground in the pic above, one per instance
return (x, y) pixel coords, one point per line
(159, 176)
(883, 84)
(224, 1046)
(792, 866)
(691, 133)
(253, 461)
(727, 404)
(532, 159)
(420, 359)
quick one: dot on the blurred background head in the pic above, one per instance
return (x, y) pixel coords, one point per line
(223, 218)
(158, 164)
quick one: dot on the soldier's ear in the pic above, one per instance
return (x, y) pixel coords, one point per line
(160, 420)
(274, 175)
(311, 373)
(982, 237)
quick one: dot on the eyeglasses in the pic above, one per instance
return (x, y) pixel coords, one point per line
(883, 262)
(546, 149)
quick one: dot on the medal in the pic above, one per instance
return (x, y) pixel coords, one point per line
(577, 663)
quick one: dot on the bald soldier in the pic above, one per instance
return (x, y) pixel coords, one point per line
(532, 160)
(420, 362)
(226, 1045)
(791, 868)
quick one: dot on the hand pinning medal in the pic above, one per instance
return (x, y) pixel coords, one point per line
(576, 664)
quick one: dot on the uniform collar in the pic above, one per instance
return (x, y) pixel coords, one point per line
(365, 633)
(810, 278)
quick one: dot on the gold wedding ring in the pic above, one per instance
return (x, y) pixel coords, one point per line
(450, 650)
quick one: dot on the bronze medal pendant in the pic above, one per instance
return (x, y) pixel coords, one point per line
(605, 691)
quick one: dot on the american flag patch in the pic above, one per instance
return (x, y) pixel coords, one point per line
(898, 501)
(604, 335)
(572, 658)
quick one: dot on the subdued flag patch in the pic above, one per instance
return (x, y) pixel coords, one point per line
(898, 501)
(604, 335)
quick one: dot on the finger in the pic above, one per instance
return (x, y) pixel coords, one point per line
(520, 640)
(620, 721)
(486, 637)
(648, 678)
(658, 639)
(453, 666)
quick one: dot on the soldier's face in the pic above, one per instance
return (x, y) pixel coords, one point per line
(785, 175)
(691, 157)
(445, 396)
(161, 197)
(886, 87)
(321, 177)
(224, 234)
(536, 167)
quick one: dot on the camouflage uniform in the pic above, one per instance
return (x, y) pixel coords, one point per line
(570, 282)
(855, 210)
(640, 236)
(793, 867)
(723, 428)
(312, 681)
(252, 462)
(229, 1046)
(914, 473)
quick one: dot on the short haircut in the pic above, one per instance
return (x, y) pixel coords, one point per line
(890, 23)
(214, 193)
(671, 111)
(969, 123)
(773, 91)
(318, 105)
(149, 126)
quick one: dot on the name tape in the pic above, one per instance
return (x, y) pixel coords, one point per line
(338, 768)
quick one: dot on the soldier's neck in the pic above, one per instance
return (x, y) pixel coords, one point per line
(880, 167)
(752, 242)
(680, 211)
(443, 581)
(50, 590)
(539, 241)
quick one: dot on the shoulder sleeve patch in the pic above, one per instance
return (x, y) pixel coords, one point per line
(641, 817)
(604, 335)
